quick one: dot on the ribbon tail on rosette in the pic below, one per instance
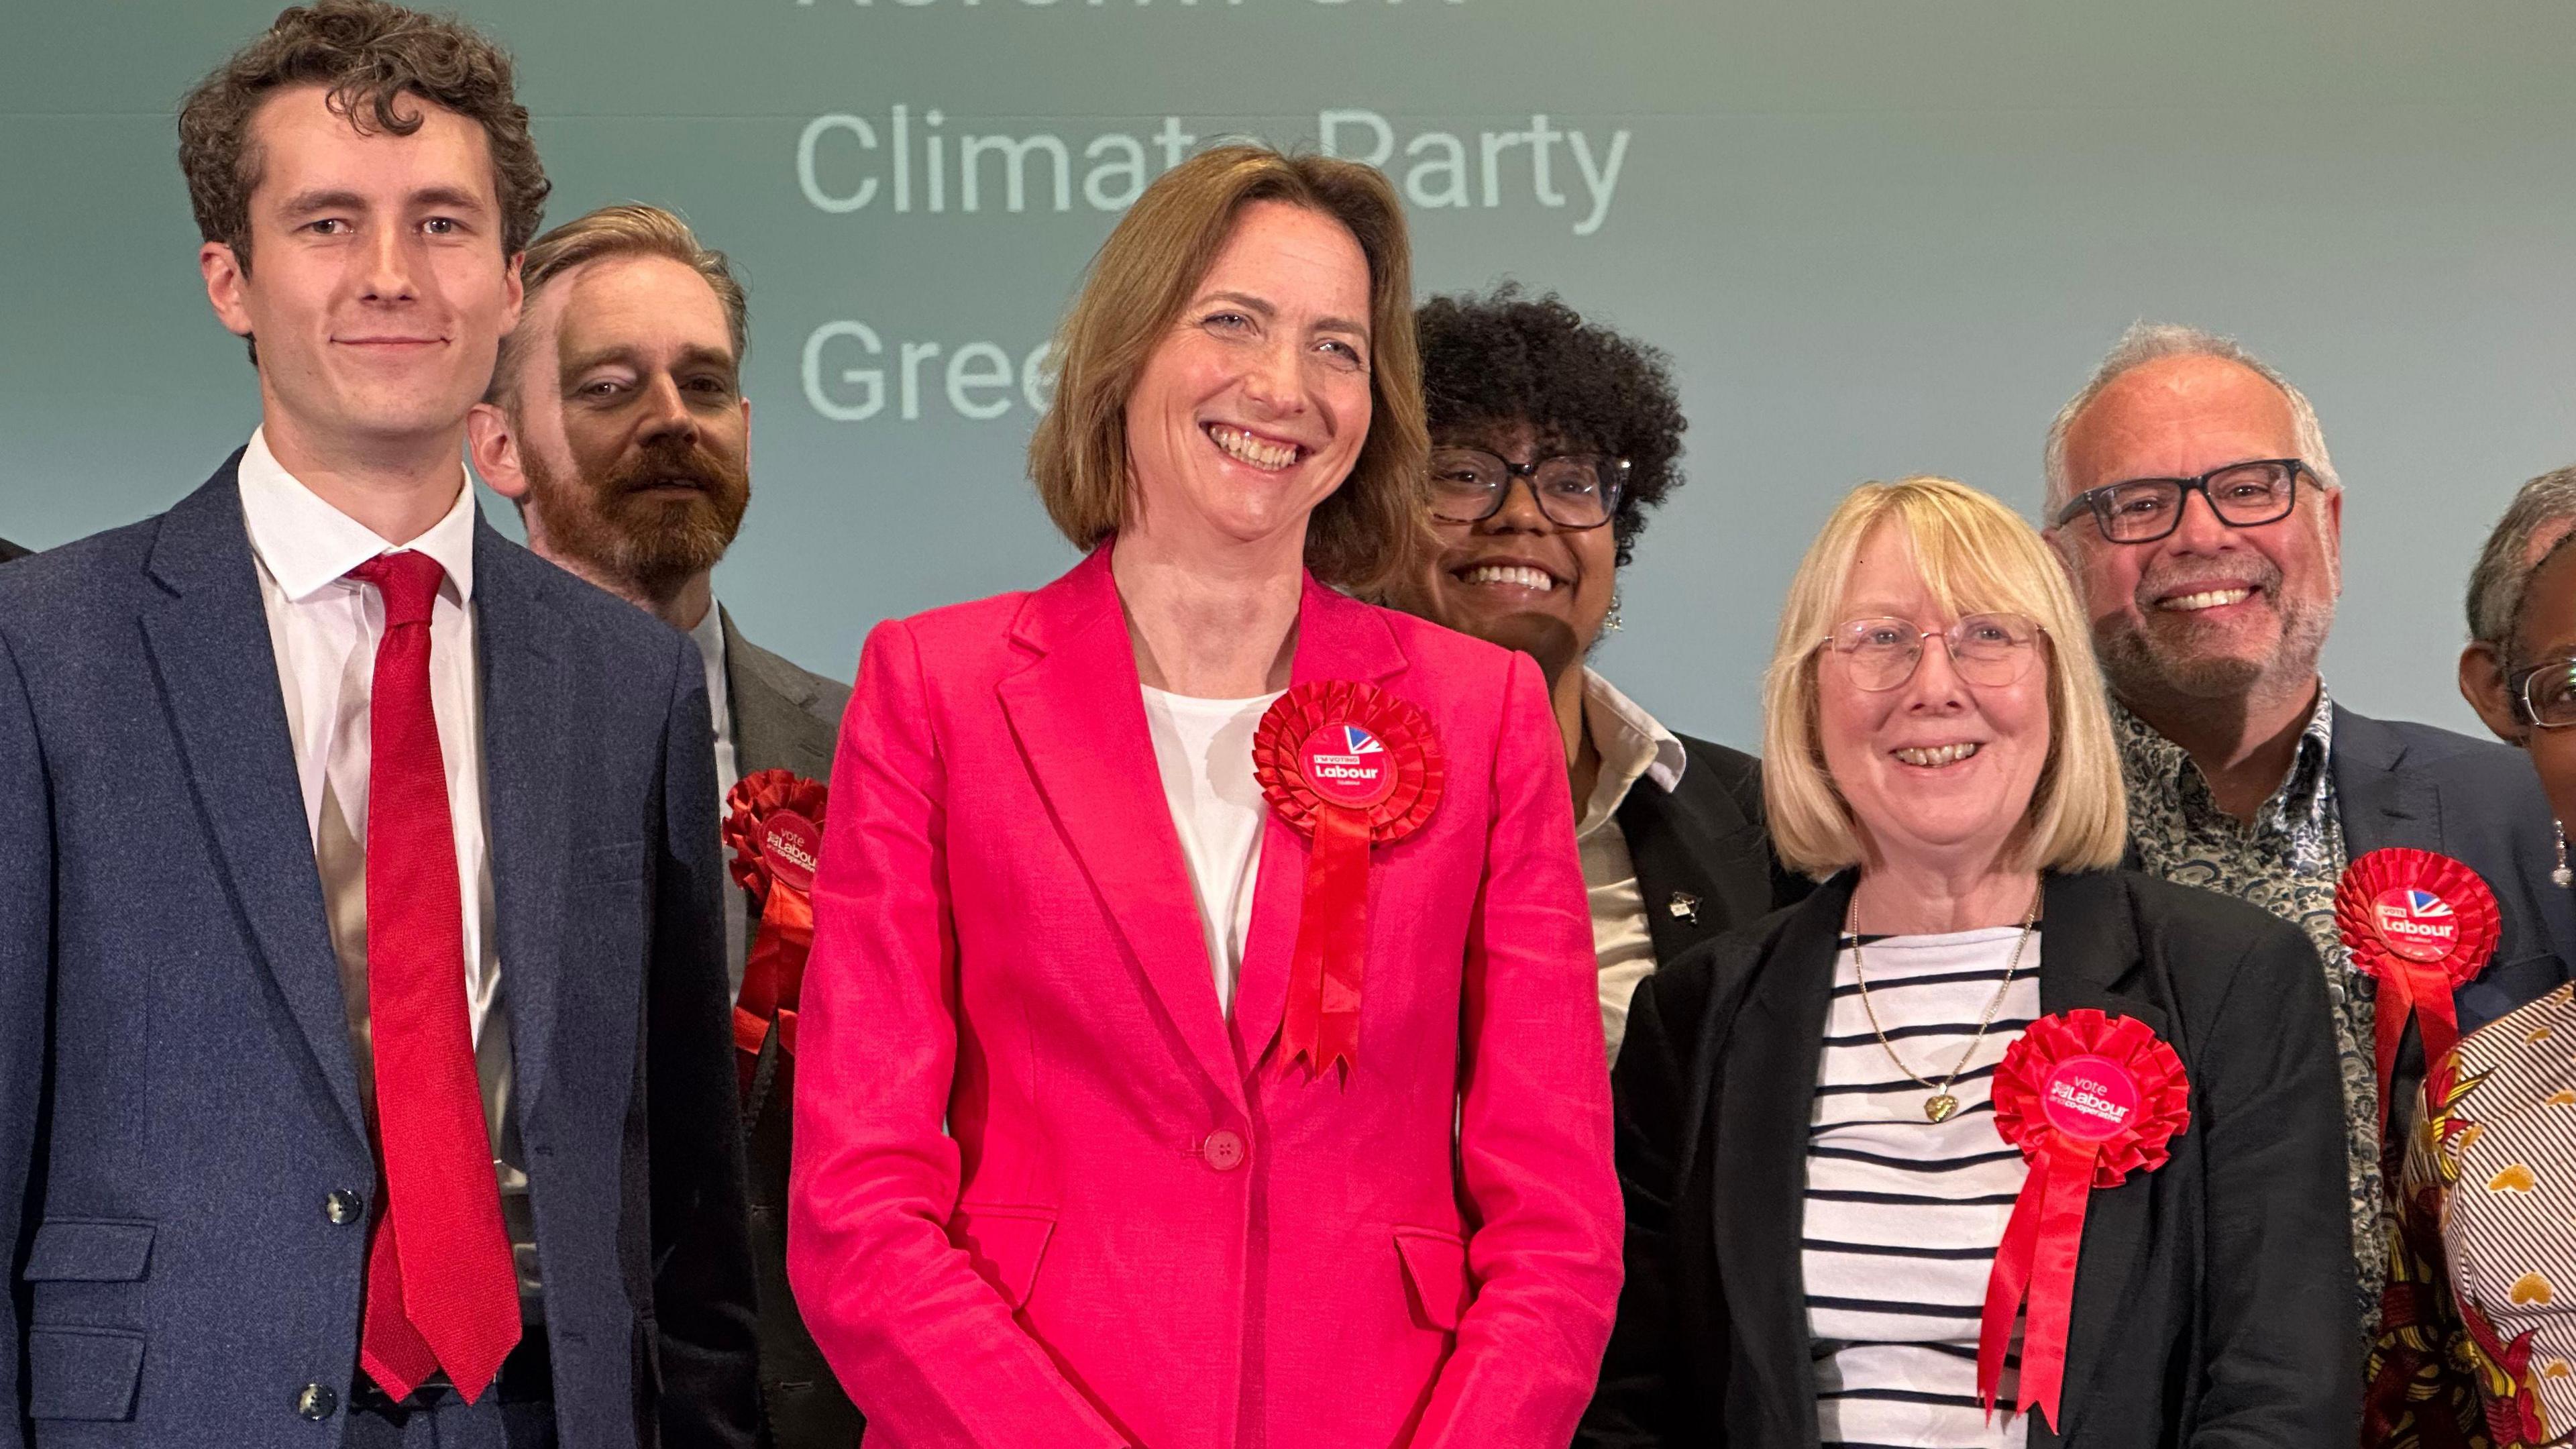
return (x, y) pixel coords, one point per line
(2005, 1287)
(2437, 1016)
(2396, 1002)
(773, 974)
(2069, 1171)
(1322, 1017)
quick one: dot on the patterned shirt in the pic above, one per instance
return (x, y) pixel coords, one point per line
(2483, 1350)
(2286, 860)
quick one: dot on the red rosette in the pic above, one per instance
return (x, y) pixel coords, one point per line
(774, 829)
(2423, 925)
(1350, 766)
(2088, 1099)
(1397, 724)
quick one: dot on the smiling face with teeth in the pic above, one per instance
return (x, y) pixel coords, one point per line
(1518, 579)
(1254, 407)
(2208, 612)
(1935, 769)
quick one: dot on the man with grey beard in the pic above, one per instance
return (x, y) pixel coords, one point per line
(2192, 501)
(616, 422)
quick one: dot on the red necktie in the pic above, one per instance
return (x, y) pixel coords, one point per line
(441, 1289)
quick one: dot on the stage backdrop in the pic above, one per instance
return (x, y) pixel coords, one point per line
(1876, 237)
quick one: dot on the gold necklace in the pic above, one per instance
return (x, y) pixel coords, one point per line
(1941, 1103)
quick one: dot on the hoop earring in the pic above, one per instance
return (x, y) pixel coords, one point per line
(2561, 877)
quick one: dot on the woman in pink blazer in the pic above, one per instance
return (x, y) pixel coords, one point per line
(1067, 1170)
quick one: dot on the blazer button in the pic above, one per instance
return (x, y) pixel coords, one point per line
(343, 1207)
(317, 1401)
(1222, 1150)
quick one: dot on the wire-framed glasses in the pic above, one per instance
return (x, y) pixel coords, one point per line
(1990, 650)
(2547, 693)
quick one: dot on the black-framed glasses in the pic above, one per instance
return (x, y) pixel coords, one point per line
(1574, 490)
(2241, 495)
(2546, 693)
(1989, 650)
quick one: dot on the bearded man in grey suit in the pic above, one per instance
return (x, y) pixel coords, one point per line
(616, 422)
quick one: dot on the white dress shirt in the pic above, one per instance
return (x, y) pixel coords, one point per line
(1203, 748)
(709, 637)
(323, 628)
(1632, 747)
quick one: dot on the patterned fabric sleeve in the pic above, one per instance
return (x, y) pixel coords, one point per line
(2429, 1376)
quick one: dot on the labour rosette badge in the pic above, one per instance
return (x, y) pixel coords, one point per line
(1351, 767)
(774, 825)
(2088, 1099)
(2423, 925)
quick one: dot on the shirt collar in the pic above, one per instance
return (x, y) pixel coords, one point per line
(1630, 740)
(307, 545)
(709, 637)
(2159, 771)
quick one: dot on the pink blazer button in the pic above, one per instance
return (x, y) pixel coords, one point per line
(1222, 1150)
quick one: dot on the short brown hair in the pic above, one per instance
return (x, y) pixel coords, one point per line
(629, 230)
(1366, 532)
(368, 54)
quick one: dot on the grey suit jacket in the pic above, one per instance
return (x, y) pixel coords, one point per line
(783, 718)
(2477, 801)
(178, 1096)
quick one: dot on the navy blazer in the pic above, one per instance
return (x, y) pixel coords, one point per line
(2477, 801)
(178, 1098)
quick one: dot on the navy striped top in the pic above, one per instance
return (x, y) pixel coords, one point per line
(1902, 1213)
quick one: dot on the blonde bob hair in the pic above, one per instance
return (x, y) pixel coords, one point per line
(1363, 535)
(1975, 556)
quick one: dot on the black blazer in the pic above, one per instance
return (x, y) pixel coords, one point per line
(1704, 862)
(2213, 1297)
(10, 550)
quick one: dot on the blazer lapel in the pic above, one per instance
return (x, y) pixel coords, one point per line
(1080, 718)
(2089, 953)
(2379, 803)
(218, 671)
(525, 711)
(1682, 845)
(774, 724)
(1337, 638)
(1764, 1104)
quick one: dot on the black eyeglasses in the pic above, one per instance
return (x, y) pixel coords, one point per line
(2241, 495)
(1573, 490)
(2546, 693)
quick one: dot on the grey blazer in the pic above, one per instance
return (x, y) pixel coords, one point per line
(783, 718)
(2477, 801)
(178, 1098)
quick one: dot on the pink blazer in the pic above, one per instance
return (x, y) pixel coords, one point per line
(1138, 1227)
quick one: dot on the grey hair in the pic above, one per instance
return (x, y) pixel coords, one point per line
(2147, 342)
(2506, 564)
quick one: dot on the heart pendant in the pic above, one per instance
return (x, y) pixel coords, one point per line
(1940, 1107)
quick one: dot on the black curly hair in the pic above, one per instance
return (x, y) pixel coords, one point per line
(1508, 358)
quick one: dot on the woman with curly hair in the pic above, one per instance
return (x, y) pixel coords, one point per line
(1523, 390)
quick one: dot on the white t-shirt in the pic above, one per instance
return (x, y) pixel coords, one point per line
(1204, 749)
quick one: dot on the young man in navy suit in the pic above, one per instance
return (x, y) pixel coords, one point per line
(357, 870)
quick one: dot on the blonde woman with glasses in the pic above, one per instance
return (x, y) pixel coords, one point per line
(1985, 1119)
